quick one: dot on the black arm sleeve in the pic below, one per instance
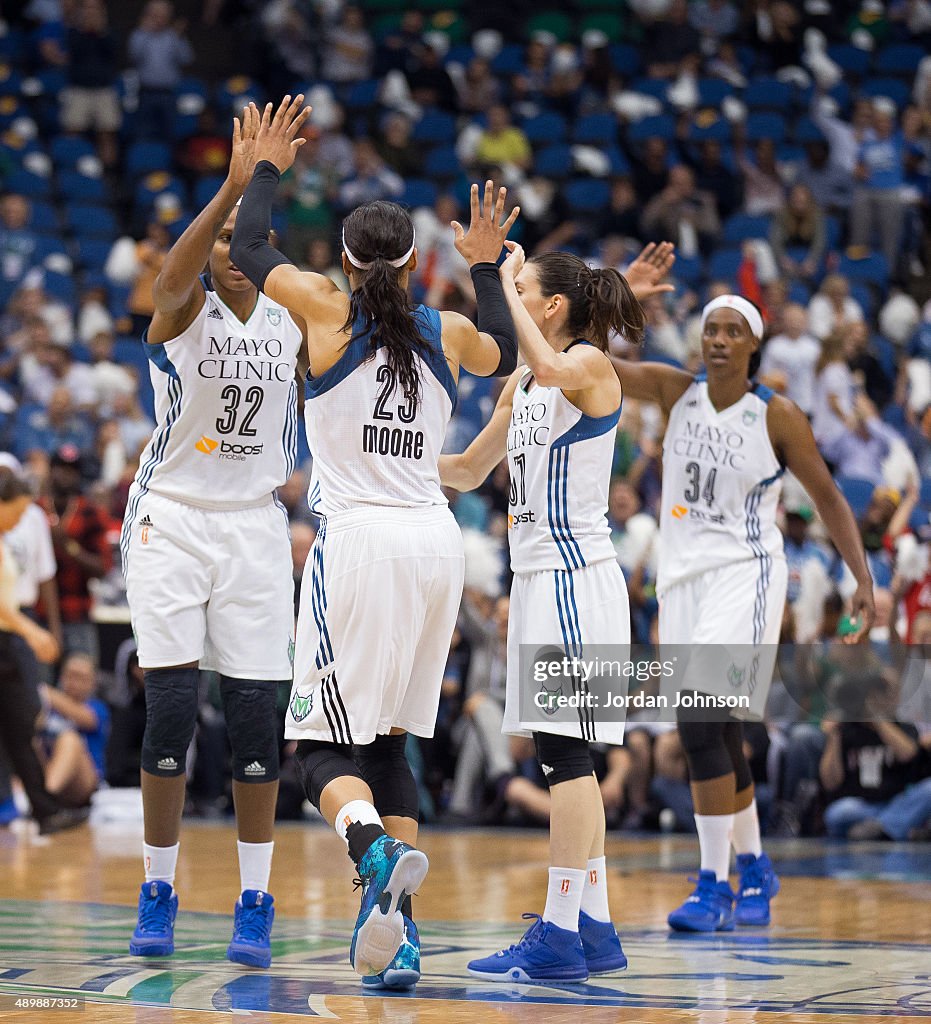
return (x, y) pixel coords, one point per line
(494, 317)
(249, 247)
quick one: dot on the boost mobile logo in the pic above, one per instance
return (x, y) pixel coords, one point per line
(207, 445)
(678, 511)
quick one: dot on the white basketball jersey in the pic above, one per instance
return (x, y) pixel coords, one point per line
(226, 405)
(721, 485)
(370, 445)
(560, 465)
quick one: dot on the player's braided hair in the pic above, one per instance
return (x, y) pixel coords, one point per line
(600, 300)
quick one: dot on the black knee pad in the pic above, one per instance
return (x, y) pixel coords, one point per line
(319, 763)
(705, 750)
(385, 768)
(170, 715)
(249, 707)
(734, 741)
(563, 758)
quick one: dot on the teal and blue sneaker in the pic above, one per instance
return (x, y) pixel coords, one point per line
(252, 929)
(601, 946)
(759, 883)
(155, 930)
(545, 953)
(710, 908)
(404, 969)
(389, 871)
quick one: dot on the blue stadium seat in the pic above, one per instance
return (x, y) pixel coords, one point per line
(704, 130)
(79, 188)
(625, 58)
(419, 192)
(44, 217)
(118, 296)
(925, 493)
(687, 269)
(805, 130)
(833, 229)
(48, 245)
(850, 59)
(799, 292)
(442, 162)
(60, 286)
(661, 126)
(857, 492)
(435, 126)
(724, 264)
(712, 91)
(872, 270)
(146, 157)
(596, 128)
(864, 295)
(897, 90)
(509, 60)
(742, 225)
(587, 194)
(205, 189)
(66, 150)
(460, 53)
(655, 87)
(52, 80)
(899, 59)
(765, 126)
(154, 185)
(27, 184)
(194, 87)
(554, 161)
(234, 88)
(93, 252)
(885, 353)
(544, 128)
(91, 221)
(766, 93)
(363, 95)
(183, 126)
(619, 163)
(130, 352)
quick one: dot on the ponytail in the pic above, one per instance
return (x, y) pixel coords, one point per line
(600, 301)
(375, 234)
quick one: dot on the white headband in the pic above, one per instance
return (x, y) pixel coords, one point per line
(398, 263)
(740, 305)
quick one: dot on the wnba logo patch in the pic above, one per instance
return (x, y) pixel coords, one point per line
(207, 445)
(593, 877)
(564, 886)
(678, 511)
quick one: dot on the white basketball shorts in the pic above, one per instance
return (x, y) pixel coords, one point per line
(379, 600)
(214, 587)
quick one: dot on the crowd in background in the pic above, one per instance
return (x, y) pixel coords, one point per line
(784, 148)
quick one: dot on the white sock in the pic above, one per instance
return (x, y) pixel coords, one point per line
(714, 839)
(595, 891)
(564, 897)
(255, 865)
(160, 862)
(746, 838)
(356, 812)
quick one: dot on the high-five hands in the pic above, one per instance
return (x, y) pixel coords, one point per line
(483, 242)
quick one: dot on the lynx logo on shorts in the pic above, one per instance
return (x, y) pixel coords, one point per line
(207, 445)
(301, 707)
(274, 316)
(679, 511)
(736, 676)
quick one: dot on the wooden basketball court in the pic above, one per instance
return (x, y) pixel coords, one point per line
(850, 939)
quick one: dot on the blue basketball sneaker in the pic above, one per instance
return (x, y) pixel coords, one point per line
(601, 946)
(759, 883)
(545, 953)
(710, 908)
(252, 929)
(404, 969)
(389, 871)
(155, 930)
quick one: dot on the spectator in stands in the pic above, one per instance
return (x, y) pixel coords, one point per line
(135, 426)
(90, 102)
(348, 49)
(503, 144)
(207, 151)
(429, 82)
(870, 771)
(371, 180)
(764, 188)
(622, 217)
(880, 173)
(835, 387)
(54, 427)
(159, 52)
(862, 360)
(397, 48)
(778, 32)
(669, 39)
(321, 260)
(713, 175)
(799, 224)
(634, 534)
(800, 549)
(124, 751)
(150, 255)
(652, 163)
(109, 378)
(440, 274)
(682, 214)
(866, 442)
(74, 733)
(829, 184)
(394, 145)
(335, 146)
(713, 20)
(833, 308)
(309, 189)
(794, 353)
(45, 367)
(17, 241)
(478, 89)
(82, 549)
(531, 85)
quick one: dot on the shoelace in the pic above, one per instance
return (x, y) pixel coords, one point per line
(156, 915)
(703, 885)
(530, 937)
(253, 923)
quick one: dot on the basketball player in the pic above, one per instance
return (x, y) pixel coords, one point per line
(722, 576)
(381, 593)
(206, 552)
(556, 419)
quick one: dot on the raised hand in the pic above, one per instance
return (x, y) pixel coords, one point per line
(242, 160)
(513, 265)
(647, 273)
(483, 241)
(276, 138)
